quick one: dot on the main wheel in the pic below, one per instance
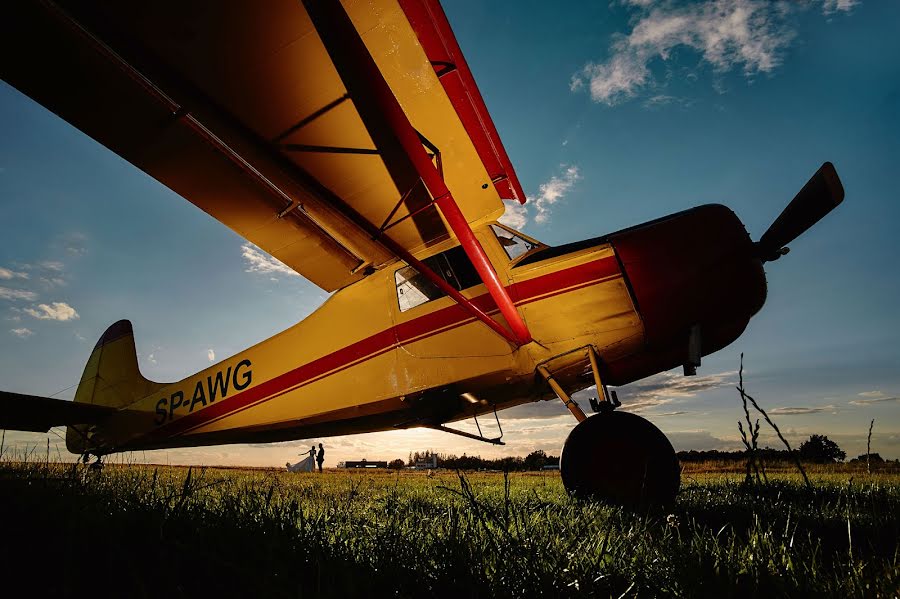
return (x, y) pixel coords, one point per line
(620, 458)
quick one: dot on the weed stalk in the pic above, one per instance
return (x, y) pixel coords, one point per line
(748, 397)
(869, 448)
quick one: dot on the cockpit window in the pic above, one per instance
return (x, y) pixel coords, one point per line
(414, 289)
(513, 244)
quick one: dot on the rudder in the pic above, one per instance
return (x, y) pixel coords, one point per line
(111, 378)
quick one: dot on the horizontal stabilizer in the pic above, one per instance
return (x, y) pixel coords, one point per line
(39, 414)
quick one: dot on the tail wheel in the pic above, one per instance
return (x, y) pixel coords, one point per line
(620, 458)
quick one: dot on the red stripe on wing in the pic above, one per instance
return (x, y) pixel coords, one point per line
(428, 20)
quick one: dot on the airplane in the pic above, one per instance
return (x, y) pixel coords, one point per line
(349, 140)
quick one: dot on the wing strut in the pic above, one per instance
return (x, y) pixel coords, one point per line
(365, 82)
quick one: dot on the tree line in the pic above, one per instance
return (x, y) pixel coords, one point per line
(536, 460)
(818, 449)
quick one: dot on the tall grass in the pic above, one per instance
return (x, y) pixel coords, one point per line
(151, 531)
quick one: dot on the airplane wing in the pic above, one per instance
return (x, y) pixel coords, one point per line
(39, 414)
(240, 108)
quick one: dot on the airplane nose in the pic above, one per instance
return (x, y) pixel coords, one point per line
(696, 270)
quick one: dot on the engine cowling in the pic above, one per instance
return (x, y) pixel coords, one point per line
(695, 270)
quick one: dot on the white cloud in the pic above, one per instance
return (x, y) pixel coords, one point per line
(53, 265)
(641, 397)
(53, 281)
(700, 440)
(873, 397)
(211, 355)
(17, 294)
(516, 215)
(830, 6)
(660, 100)
(8, 274)
(553, 191)
(800, 411)
(614, 81)
(55, 311)
(152, 358)
(258, 261)
(727, 34)
(662, 388)
(549, 193)
(22, 333)
(866, 402)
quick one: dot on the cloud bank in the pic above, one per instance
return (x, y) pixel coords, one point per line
(866, 402)
(663, 388)
(800, 411)
(17, 294)
(749, 35)
(8, 274)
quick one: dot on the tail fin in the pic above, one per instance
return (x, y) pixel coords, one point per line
(111, 378)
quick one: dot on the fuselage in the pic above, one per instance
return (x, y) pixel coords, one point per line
(391, 352)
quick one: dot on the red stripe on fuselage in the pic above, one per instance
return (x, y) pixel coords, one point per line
(417, 329)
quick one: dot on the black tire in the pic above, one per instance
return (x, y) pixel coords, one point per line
(620, 458)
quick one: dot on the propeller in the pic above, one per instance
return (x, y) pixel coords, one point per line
(821, 194)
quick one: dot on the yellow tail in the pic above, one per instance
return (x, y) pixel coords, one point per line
(111, 378)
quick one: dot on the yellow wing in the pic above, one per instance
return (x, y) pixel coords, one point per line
(237, 106)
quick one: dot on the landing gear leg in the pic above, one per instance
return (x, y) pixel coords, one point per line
(98, 465)
(616, 456)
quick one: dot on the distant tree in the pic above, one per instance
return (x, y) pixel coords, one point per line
(535, 460)
(874, 458)
(397, 464)
(821, 449)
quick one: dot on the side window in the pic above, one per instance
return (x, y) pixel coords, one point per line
(414, 289)
(512, 244)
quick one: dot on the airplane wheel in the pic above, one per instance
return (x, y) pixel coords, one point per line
(620, 458)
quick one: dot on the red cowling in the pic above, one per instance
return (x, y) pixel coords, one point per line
(697, 267)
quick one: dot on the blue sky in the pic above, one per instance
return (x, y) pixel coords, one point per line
(613, 113)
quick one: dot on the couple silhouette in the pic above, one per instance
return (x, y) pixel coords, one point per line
(309, 464)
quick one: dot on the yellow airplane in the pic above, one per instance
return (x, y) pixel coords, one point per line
(349, 141)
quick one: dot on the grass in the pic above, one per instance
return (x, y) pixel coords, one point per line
(141, 531)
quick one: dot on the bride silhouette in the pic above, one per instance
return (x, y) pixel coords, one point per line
(306, 465)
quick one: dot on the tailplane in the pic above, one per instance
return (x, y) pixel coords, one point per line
(111, 379)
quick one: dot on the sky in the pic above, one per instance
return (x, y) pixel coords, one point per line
(613, 113)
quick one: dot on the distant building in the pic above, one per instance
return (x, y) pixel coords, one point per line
(427, 464)
(364, 463)
(550, 467)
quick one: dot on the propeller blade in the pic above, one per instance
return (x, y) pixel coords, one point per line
(821, 194)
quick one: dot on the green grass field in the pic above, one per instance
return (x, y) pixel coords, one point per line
(138, 531)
